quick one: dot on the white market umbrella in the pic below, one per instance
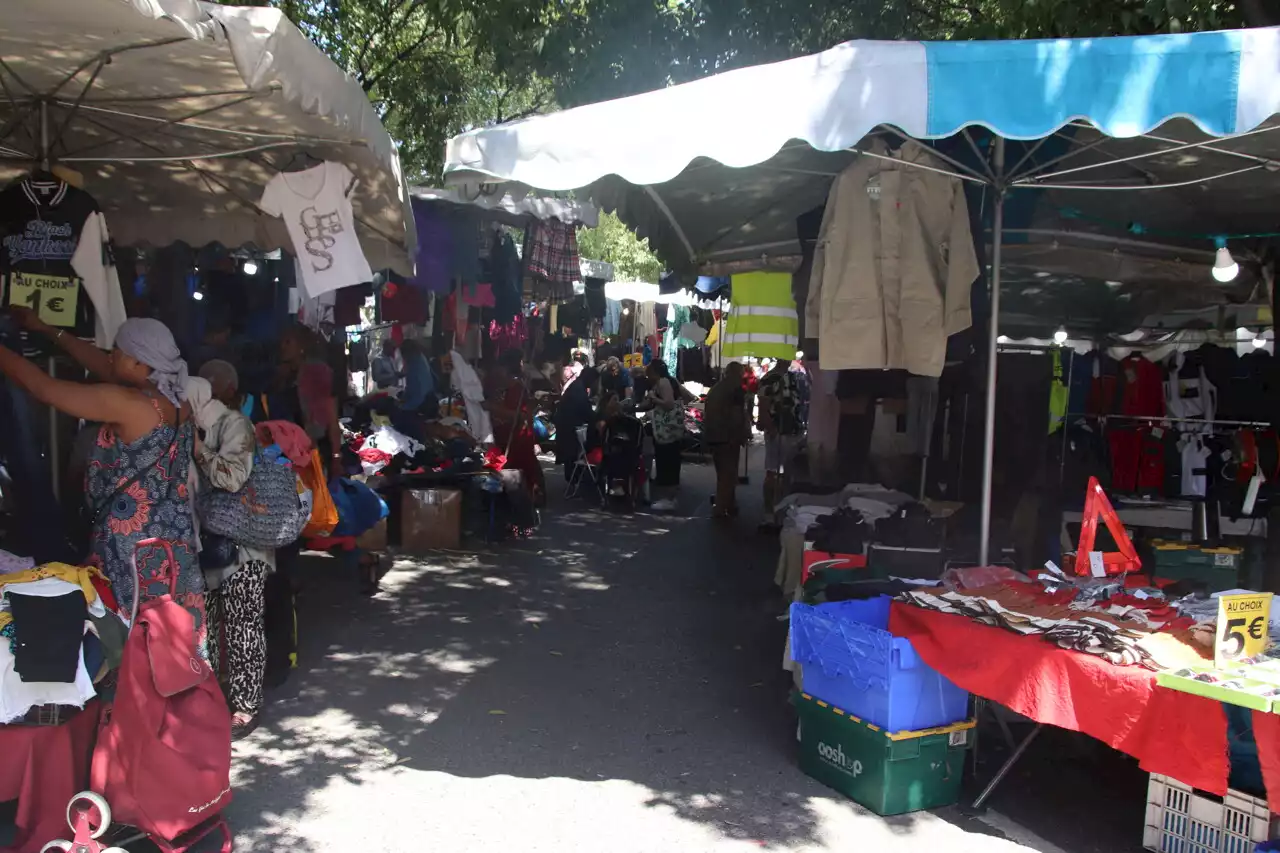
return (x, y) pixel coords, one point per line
(178, 112)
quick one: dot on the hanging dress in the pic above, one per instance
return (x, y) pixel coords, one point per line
(155, 506)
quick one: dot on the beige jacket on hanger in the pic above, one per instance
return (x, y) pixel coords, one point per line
(893, 265)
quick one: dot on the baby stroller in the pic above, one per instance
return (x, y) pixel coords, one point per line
(623, 464)
(164, 747)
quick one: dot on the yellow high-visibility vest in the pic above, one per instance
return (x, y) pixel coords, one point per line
(763, 322)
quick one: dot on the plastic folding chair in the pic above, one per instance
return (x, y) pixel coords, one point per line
(583, 467)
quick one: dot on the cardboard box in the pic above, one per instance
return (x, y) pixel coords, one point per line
(375, 538)
(430, 519)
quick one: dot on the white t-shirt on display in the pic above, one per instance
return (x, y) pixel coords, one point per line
(317, 211)
(1194, 458)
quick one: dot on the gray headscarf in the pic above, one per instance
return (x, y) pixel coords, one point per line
(151, 342)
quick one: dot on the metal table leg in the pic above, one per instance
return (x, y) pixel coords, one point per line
(1007, 766)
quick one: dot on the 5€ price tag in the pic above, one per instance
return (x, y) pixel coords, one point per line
(52, 297)
(1243, 621)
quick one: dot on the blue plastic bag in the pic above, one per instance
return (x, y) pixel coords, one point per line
(359, 507)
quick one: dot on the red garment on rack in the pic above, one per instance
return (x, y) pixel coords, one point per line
(1176, 734)
(1141, 388)
(1126, 447)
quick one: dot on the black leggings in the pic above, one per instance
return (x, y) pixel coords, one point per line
(667, 462)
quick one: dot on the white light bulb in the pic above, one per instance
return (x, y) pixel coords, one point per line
(1060, 336)
(1225, 267)
(1259, 342)
(250, 268)
(198, 295)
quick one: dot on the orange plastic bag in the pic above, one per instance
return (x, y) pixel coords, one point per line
(324, 512)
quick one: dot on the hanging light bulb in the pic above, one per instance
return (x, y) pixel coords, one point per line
(1060, 336)
(198, 295)
(250, 267)
(1225, 267)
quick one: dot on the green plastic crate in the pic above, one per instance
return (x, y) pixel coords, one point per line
(1217, 568)
(887, 773)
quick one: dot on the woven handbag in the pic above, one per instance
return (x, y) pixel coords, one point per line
(269, 511)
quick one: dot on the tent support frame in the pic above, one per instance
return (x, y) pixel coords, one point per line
(993, 332)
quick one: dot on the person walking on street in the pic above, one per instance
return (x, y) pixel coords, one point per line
(725, 429)
(781, 425)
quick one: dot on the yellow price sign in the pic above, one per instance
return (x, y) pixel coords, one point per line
(1243, 621)
(52, 297)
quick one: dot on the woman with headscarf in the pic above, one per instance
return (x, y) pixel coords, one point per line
(237, 580)
(136, 485)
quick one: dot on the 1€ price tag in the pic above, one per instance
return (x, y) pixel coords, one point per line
(1242, 626)
(52, 297)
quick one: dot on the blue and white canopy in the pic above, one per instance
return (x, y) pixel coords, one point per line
(716, 171)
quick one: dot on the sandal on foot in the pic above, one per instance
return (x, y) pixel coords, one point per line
(242, 725)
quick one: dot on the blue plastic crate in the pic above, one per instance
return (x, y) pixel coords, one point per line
(852, 662)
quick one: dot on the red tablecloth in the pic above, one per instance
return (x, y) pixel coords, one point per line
(43, 767)
(1172, 733)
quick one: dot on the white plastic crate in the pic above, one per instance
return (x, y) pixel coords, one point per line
(1183, 820)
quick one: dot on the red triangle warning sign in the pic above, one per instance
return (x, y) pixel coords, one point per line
(1096, 506)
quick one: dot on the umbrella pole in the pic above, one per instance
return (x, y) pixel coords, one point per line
(989, 421)
(55, 457)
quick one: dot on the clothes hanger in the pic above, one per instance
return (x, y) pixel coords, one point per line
(308, 161)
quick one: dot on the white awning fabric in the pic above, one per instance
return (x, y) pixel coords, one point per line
(178, 112)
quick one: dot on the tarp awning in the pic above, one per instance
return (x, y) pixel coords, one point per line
(715, 172)
(178, 112)
(515, 210)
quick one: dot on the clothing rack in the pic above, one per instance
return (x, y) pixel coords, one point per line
(1163, 419)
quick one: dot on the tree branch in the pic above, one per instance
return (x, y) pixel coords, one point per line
(374, 79)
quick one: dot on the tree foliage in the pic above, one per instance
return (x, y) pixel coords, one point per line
(429, 67)
(613, 242)
(600, 49)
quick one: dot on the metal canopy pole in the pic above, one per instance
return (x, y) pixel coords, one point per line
(989, 421)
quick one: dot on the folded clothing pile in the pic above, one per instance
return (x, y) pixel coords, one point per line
(60, 636)
(1122, 634)
(844, 531)
(911, 526)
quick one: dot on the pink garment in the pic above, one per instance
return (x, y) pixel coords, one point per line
(511, 336)
(315, 393)
(481, 295)
(293, 440)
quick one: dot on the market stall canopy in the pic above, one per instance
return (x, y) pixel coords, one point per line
(514, 210)
(715, 172)
(643, 291)
(178, 112)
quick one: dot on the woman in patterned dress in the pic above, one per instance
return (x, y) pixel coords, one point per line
(136, 485)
